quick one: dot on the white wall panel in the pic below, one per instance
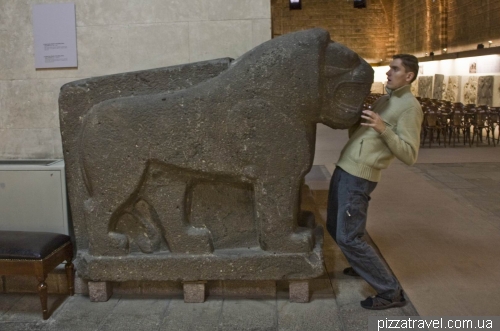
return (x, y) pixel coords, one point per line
(216, 39)
(157, 45)
(261, 31)
(112, 37)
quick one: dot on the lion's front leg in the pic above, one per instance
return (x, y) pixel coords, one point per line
(172, 204)
(276, 211)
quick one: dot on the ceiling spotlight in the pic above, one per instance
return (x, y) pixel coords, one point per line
(295, 4)
(359, 4)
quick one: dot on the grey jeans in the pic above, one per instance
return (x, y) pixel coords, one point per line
(346, 222)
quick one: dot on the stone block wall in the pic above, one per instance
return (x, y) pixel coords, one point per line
(365, 31)
(387, 27)
(472, 22)
(112, 37)
(422, 26)
(417, 26)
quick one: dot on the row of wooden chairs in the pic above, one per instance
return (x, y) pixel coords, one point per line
(469, 122)
(452, 122)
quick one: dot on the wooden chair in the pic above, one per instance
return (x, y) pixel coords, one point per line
(494, 124)
(433, 123)
(456, 126)
(480, 123)
(36, 253)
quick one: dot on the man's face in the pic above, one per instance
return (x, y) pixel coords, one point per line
(397, 75)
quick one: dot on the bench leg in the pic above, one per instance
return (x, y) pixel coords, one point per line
(42, 291)
(70, 277)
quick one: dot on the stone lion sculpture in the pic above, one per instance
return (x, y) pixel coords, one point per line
(142, 166)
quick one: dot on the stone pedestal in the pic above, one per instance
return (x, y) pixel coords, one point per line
(299, 291)
(100, 291)
(194, 292)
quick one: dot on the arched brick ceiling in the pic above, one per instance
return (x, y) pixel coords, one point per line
(388, 8)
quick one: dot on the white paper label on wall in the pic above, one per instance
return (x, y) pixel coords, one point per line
(54, 31)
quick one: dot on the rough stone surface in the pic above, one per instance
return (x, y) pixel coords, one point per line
(194, 172)
(242, 263)
(81, 285)
(100, 291)
(321, 314)
(130, 287)
(165, 288)
(248, 315)
(78, 314)
(194, 292)
(199, 316)
(125, 315)
(299, 291)
(250, 289)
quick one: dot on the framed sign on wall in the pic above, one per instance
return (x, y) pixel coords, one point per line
(54, 31)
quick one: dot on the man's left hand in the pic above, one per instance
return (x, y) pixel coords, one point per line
(373, 120)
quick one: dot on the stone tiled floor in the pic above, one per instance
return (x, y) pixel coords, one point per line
(477, 184)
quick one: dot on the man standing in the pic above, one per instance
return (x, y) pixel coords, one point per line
(391, 130)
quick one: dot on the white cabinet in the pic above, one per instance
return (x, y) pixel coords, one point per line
(33, 196)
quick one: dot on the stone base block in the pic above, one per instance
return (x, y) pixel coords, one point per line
(100, 291)
(225, 264)
(299, 291)
(194, 292)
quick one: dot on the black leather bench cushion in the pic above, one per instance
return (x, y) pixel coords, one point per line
(29, 245)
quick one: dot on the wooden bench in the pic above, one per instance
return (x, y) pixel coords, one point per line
(37, 254)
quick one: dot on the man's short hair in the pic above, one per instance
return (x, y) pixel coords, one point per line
(410, 63)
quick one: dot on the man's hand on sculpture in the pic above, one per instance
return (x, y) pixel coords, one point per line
(373, 120)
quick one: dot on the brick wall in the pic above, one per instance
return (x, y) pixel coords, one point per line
(386, 27)
(366, 31)
(472, 22)
(422, 26)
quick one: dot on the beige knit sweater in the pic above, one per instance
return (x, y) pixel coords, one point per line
(367, 152)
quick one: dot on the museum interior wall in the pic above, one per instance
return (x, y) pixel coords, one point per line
(424, 26)
(418, 27)
(112, 37)
(366, 31)
(128, 35)
(386, 27)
